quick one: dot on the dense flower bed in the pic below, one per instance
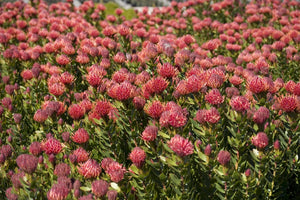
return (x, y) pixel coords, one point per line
(198, 100)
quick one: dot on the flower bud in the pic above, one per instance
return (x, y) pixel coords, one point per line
(248, 172)
(207, 150)
(276, 145)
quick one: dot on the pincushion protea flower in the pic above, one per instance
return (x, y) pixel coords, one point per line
(261, 115)
(288, 103)
(81, 155)
(154, 109)
(89, 169)
(137, 156)
(214, 97)
(16, 179)
(27, 163)
(121, 91)
(58, 192)
(10, 195)
(27, 74)
(57, 89)
(51, 146)
(76, 111)
(257, 85)
(223, 157)
(80, 136)
(35, 148)
(112, 195)
(116, 171)
(261, 140)
(99, 188)
(181, 146)
(62, 169)
(166, 70)
(150, 133)
(102, 108)
(239, 103)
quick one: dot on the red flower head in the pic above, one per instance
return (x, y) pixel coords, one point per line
(257, 85)
(139, 102)
(200, 116)
(95, 76)
(62, 169)
(63, 60)
(154, 109)
(261, 115)
(9, 194)
(239, 103)
(105, 162)
(296, 90)
(181, 146)
(27, 163)
(99, 188)
(150, 133)
(121, 91)
(67, 78)
(35, 148)
(115, 171)
(288, 103)
(166, 70)
(112, 195)
(212, 115)
(80, 136)
(102, 108)
(58, 192)
(86, 104)
(57, 89)
(215, 81)
(89, 169)
(119, 57)
(223, 157)
(27, 74)
(261, 140)
(194, 84)
(158, 85)
(137, 156)
(81, 155)
(40, 116)
(235, 80)
(214, 97)
(76, 111)
(51, 146)
(175, 118)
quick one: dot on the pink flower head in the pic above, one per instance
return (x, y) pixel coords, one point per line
(51, 146)
(150, 133)
(223, 157)
(116, 171)
(214, 97)
(137, 156)
(239, 103)
(80, 136)
(181, 146)
(89, 169)
(261, 140)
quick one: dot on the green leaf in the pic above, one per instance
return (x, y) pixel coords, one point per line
(175, 179)
(171, 162)
(163, 135)
(86, 189)
(219, 188)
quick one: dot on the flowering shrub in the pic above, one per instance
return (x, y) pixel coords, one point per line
(197, 100)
